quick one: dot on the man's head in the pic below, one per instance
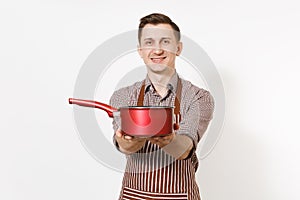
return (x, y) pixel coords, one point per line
(157, 18)
(159, 42)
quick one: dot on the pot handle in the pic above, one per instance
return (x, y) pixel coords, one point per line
(93, 104)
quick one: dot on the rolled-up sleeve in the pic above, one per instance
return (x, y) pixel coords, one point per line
(198, 112)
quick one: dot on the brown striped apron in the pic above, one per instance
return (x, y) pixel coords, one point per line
(170, 191)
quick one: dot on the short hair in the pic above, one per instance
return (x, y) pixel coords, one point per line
(158, 18)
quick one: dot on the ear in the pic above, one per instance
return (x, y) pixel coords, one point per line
(139, 49)
(179, 48)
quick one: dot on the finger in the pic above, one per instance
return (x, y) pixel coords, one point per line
(161, 138)
(128, 137)
(140, 139)
(153, 141)
(170, 136)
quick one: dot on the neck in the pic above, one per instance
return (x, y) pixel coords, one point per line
(161, 80)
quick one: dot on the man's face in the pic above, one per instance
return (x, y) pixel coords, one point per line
(159, 47)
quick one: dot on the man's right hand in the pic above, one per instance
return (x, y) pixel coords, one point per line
(128, 144)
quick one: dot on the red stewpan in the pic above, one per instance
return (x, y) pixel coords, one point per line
(140, 121)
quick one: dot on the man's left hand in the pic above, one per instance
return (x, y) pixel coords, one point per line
(162, 141)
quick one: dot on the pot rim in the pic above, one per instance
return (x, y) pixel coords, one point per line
(145, 107)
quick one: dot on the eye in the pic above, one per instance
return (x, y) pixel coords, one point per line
(166, 41)
(148, 42)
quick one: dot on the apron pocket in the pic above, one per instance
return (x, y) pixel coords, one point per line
(132, 194)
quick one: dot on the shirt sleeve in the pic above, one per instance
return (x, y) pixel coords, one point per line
(197, 115)
(117, 100)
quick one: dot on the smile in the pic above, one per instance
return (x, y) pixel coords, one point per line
(157, 59)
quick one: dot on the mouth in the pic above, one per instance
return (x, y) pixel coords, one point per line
(158, 59)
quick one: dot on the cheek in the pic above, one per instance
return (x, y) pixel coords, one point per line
(144, 53)
(170, 49)
(171, 56)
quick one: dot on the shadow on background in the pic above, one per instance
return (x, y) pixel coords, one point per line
(235, 170)
(237, 167)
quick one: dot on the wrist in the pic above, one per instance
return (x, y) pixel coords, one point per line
(179, 147)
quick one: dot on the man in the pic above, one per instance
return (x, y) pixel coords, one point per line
(162, 167)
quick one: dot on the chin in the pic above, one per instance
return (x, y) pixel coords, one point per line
(158, 67)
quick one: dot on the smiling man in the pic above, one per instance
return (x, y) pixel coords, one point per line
(162, 167)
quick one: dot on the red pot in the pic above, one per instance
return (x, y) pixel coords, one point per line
(141, 121)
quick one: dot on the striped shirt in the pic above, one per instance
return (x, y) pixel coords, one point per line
(151, 173)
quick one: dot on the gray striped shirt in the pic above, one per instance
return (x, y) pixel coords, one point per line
(151, 171)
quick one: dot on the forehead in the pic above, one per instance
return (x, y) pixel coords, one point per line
(157, 31)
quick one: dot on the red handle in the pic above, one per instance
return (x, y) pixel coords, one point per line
(94, 104)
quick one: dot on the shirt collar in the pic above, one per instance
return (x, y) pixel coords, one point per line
(172, 85)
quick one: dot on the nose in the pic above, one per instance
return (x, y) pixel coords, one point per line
(158, 49)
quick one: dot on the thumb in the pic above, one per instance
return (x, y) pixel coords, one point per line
(119, 133)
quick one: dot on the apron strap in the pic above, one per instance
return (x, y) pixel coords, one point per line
(177, 99)
(141, 95)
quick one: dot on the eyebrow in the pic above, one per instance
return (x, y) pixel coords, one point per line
(160, 38)
(148, 39)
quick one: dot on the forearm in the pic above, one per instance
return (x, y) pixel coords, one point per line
(130, 149)
(179, 147)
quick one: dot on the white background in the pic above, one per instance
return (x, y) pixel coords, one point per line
(254, 45)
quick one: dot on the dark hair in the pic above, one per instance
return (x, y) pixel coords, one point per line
(158, 18)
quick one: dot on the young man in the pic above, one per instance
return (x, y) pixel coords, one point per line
(162, 167)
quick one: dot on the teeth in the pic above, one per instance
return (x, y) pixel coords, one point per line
(157, 60)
